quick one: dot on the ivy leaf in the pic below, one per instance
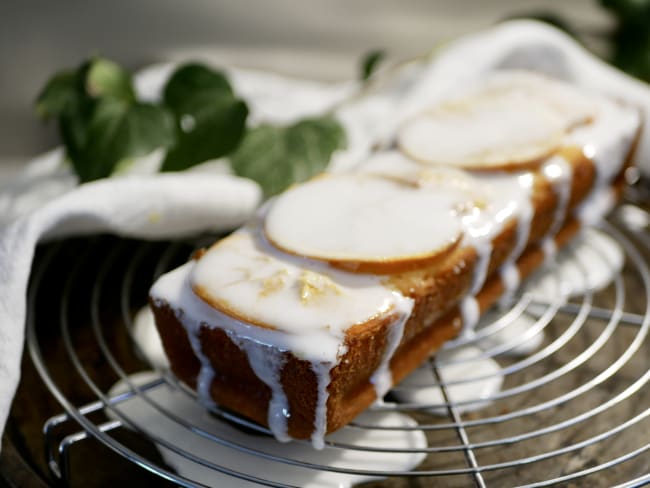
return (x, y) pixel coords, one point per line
(100, 121)
(210, 119)
(119, 130)
(212, 131)
(60, 92)
(631, 51)
(277, 157)
(633, 12)
(68, 90)
(191, 83)
(370, 63)
(104, 78)
(73, 126)
(103, 126)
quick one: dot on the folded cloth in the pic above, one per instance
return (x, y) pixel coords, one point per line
(157, 206)
(47, 202)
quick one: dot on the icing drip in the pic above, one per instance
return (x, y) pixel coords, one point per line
(607, 141)
(382, 378)
(310, 333)
(590, 263)
(267, 363)
(206, 374)
(148, 340)
(510, 279)
(509, 272)
(549, 247)
(470, 380)
(470, 313)
(410, 440)
(522, 334)
(206, 371)
(596, 206)
(558, 172)
(322, 372)
(484, 251)
(607, 149)
(525, 218)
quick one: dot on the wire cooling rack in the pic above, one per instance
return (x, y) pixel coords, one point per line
(575, 409)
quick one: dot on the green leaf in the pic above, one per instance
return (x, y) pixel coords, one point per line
(73, 126)
(59, 93)
(212, 131)
(210, 119)
(370, 63)
(277, 157)
(119, 130)
(633, 12)
(101, 123)
(192, 82)
(106, 78)
(631, 51)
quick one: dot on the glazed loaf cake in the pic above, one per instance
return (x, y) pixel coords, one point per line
(346, 283)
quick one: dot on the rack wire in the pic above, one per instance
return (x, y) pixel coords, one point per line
(575, 409)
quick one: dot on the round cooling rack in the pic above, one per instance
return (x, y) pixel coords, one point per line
(564, 399)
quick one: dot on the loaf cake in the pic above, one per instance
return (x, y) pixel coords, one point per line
(344, 284)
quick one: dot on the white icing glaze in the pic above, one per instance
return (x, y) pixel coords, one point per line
(549, 248)
(607, 140)
(489, 131)
(146, 337)
(518, 327)
(596, 206)
(524, 212)
(298, 297)
(524, 215)
(509, 197)
(483, 248)
(574, 106)
(382, 378)
(559, 173)
(470, 313)
(322, 372)
(509, 274)
(502, 197)
(267, 363)
(206, 373)
(589, 263)
(155, 423)
(311, 331)
(362, 218)
(469, 380)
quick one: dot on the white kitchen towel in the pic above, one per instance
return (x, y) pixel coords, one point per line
(45, 201)
(156, 206)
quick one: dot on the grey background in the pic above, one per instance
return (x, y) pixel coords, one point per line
(314, 38)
